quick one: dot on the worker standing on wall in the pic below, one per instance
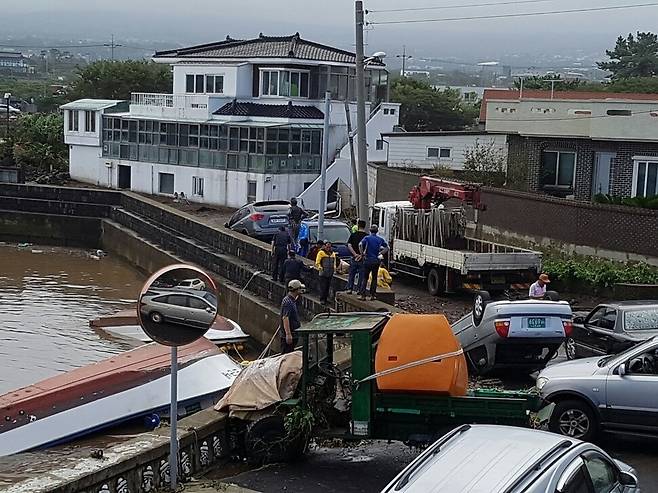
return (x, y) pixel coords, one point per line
(356, 262)
(295, 217)
(289, 322)
(326, 262)
(373, 248)
(280, 246)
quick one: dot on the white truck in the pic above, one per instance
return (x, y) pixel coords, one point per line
(431, 245)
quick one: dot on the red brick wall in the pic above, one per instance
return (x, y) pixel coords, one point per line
(617, 228)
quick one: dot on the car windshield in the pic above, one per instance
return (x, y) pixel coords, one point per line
(644, 319)
(336, 233)
(210, 298)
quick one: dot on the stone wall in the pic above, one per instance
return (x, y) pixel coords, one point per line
(394, 184)
(49, 229)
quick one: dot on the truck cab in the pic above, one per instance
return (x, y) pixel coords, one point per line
(383, 215)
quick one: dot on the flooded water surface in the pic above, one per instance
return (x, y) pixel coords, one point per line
(47, 297)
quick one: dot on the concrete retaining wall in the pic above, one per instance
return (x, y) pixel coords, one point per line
(138, 465)
(50, 229)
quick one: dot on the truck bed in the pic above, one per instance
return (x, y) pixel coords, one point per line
(479, 255)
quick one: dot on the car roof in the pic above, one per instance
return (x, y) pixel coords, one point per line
(327, 222)
(483, 458)
(632, 303)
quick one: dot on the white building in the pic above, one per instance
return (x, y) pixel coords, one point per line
(429, 150)
(244, 122)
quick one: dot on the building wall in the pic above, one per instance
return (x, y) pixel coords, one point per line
(395, 184)
(86, 165)
(411, 151)
(527, 152)
(81, 137)
(230, 73)
(574, 227)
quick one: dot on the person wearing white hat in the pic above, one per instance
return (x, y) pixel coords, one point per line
(290, 317)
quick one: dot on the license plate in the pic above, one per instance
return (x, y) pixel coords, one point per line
(278, 220)
(536, 323)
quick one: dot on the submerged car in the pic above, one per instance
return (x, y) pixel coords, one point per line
(612, 328)
(609, 393)
(260, 219)
(523, 334)
(506, 459)
(192, 308)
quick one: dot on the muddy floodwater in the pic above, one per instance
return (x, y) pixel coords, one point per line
(47, 297)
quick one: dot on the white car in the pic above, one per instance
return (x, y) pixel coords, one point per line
(523, 335)
(196, 284)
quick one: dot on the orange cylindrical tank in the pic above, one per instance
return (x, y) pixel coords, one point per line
(408, 338)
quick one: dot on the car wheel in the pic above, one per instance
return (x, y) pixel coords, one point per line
(435, 281)
(482, 298)
(574, 419)
(156, 317)
(570, 348)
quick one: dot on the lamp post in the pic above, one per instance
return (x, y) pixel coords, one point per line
(7, 100)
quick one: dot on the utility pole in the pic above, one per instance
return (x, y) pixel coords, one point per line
(404, 60)
(112, 45)
(350, 136)
(362, 151)
(325, 162)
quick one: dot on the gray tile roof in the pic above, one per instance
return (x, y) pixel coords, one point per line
(264, 47)
(270, 110)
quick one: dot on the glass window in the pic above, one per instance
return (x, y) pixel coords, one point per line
(602, 474)
(177, 299)
(90, 121)
(433, 152)
(558, 168)
(76, 120)
(284, 83)
(198, 86)
(232, 161)
(184, 135)
(316, 142)
(379, 145)
(444, 152)
(604, 318)
(197, 186)
(646, 178)
(197, 303)
(265, 84)
(166, 181)
(645, 319)
(287, 83)
(189, 83)
(578, 483)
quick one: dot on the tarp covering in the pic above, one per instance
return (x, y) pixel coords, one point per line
(263, 383)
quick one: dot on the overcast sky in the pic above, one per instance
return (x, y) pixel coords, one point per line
(191, 21)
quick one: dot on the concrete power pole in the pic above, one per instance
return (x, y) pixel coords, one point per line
(325, 163)
(362, 151)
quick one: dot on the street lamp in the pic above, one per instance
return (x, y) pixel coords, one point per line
(7, 99)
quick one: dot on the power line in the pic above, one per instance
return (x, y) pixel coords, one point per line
(458, 6)
(524, 14)
(60, 47)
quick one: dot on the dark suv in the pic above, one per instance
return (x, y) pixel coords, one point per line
(260, 219)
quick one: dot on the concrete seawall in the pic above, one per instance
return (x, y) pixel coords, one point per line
(50, 229)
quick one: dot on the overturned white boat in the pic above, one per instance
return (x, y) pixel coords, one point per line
(128, 386)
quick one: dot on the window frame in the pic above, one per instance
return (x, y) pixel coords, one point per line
(379, 144)
(556, 185)
(438, 150)
(197, 186)
(90, 121)
(648, 161)
(279, 82)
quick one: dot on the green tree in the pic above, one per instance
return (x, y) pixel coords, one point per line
(634, 56)
(426, 108)
(38, 144)
(484, 162)
(107, 79)
(543, 82)
(647, 85)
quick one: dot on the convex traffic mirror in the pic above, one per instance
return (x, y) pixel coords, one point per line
(177, 305)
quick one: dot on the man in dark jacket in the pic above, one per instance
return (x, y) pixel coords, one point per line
(292, 268)
(295, 217)
(280, 245)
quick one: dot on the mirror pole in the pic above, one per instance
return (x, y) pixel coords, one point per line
(173, 416)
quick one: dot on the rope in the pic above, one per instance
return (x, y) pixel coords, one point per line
(411, 364)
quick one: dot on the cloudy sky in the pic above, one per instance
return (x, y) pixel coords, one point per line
(192, 21)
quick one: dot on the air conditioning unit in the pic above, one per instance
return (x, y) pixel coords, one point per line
(108, 164)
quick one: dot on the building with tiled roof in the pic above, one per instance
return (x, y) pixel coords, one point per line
(578, 143)
(244, 122)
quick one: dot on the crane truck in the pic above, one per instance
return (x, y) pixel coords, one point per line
(428, 241)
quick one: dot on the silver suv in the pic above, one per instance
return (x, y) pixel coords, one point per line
(615, 392)
(505, 459)
(191, 308)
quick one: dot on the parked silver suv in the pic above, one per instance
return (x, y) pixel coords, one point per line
(506, 459)
(615, 392)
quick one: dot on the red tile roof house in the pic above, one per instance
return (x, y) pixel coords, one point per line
(577, 144)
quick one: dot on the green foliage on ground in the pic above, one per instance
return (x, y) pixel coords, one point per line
(485, 163)
(38, 91)
(426, 108)
(642, 202)
(107, 79)
(596, 272)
